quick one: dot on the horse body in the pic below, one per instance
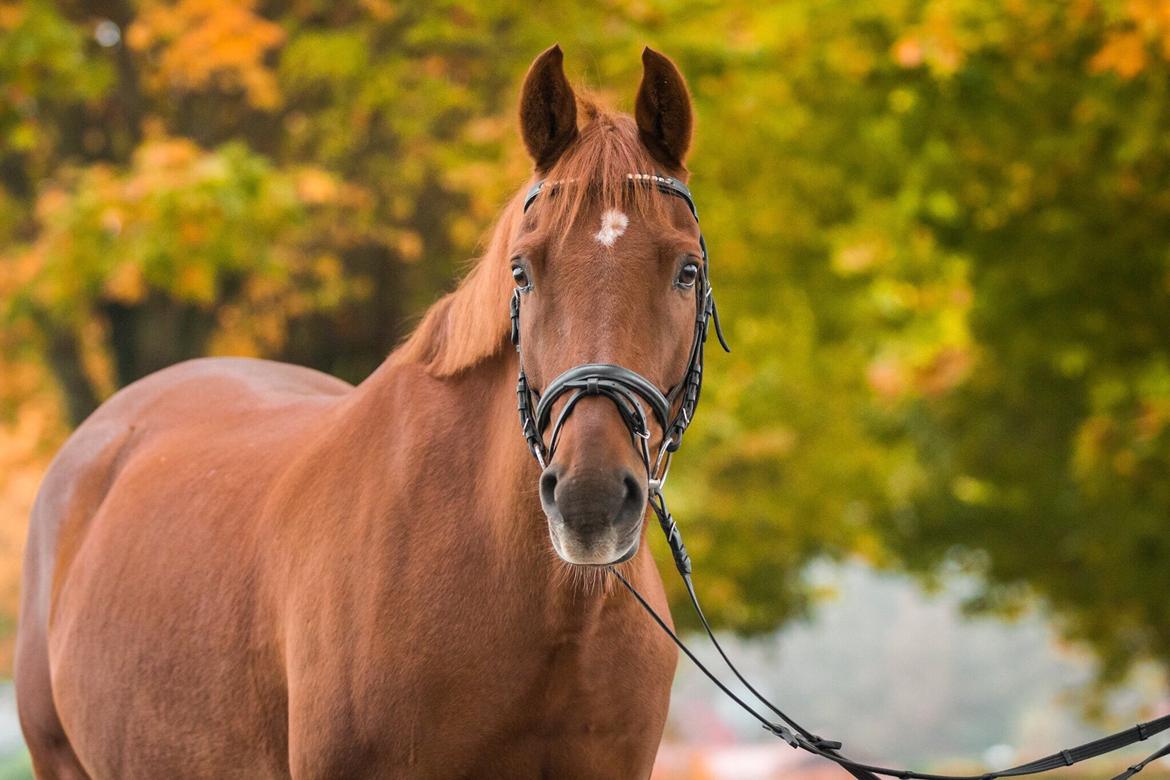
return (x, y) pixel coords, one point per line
(285, 637)
(238, 568)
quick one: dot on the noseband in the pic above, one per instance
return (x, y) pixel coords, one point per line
(630, 392)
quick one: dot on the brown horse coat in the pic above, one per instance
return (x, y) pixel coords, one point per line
(238, 568)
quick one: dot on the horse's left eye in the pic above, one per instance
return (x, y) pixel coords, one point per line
(687, 276)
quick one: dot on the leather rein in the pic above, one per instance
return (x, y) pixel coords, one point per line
(629, 390)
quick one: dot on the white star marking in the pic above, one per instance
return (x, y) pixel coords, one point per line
(613, 224)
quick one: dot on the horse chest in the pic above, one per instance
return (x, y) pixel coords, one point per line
(520, 698)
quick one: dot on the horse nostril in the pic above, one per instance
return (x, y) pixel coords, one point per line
(634, 502)
(592, 498)
(633, 487)
(548, 487)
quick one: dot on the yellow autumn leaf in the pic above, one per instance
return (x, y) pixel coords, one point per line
(197, 283)
(1123, 53)
(126, 284)
(11, 15)
(316, 186)
(409, 245)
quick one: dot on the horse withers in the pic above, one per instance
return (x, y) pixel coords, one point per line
(239, 568)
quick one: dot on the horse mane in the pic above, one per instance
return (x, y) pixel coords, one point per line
(470, 324)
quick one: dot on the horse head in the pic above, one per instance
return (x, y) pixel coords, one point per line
(610, 276)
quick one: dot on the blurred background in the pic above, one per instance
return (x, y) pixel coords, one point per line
(928, 494)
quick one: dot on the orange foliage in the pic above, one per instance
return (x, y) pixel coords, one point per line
(27, 441)
(933, 43)
(1124, 53)
(1126, 49)
(200, 43)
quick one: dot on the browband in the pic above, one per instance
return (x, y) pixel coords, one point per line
(666, 184)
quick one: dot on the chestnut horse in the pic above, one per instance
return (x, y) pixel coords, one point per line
(239, 568)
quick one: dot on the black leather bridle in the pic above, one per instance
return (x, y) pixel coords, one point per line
(628, 390)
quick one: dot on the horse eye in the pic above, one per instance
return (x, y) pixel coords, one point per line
(688, 276)
(520, 277)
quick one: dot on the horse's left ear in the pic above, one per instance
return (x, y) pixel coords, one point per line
(663, 110)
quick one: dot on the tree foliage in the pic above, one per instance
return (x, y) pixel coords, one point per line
(939, 233)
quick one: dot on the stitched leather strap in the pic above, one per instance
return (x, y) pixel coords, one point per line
(613, 378)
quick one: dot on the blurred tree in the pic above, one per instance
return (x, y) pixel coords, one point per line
(964, 244)
(939, 239)
(1046, 172)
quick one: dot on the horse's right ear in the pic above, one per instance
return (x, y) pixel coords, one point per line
(663, 110)
(548, 109)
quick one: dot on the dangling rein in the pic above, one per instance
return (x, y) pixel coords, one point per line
(629, 390)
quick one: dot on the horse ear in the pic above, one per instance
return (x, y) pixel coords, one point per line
(663, 110)
(548, 109)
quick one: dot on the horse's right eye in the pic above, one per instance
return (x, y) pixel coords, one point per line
(520, 277)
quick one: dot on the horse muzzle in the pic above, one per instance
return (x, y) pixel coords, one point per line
(594, 514)
(594, 501)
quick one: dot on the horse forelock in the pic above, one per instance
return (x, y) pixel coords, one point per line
(593, 175)
(470, 325)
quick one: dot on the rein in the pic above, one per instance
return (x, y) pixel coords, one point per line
(629, 390)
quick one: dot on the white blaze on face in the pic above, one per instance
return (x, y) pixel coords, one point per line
(613, 224)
